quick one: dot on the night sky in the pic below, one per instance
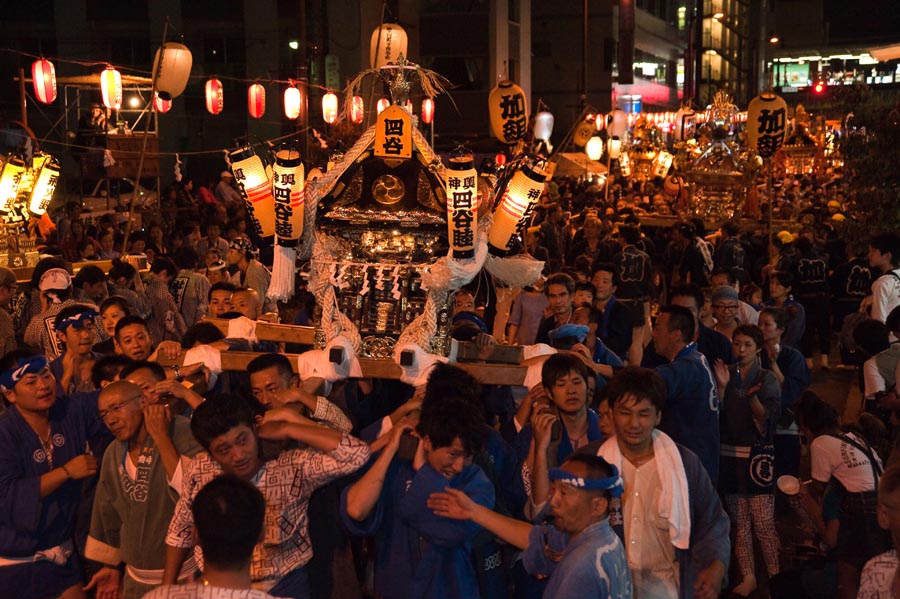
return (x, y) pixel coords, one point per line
(863, 20)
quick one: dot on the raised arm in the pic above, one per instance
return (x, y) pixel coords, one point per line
(453, 503)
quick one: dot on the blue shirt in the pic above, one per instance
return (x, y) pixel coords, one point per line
(691, 413)
(593, 565)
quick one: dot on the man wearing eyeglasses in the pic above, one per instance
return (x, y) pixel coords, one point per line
(140, 481)
(45, 454)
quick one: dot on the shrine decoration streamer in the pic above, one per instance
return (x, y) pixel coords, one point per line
(326, 251)
(288, 191)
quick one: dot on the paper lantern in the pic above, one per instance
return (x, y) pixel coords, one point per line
(256, 100)
(614, 147)
(111, 88)
(583, 133)
(47, 168)
(288, 190)
(684, 124)
(509, 112)
(427, 111)
(673, 185)
(172, 66)
(766, 123)
(357, 110)
(256, 189)
(617, 122)
(662, 163)
(10, 179)
(543, 125)
(215, 100)
(594, 148)
(382, 104)
(600, 122)
(389, 41)
(161, 105)
(461, 179)
(329, 107)
(516, 205)
(43, 77)
(292, 102)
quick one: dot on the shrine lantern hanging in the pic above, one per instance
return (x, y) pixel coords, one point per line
(160, 105)
(583, 133)
(47, 168)
(427, 110)
(111, 88)
(616, 123)
(389, 41)
(600, 121)
(256, 100)
(215, 99)
(516, 206)
(614, 147)
(256, 189)
(43, 77)
(543, 125)
(381, 105)
(766, 124)
(288, 190)
(10, 179)
(357, 110)
(172, 66)
(329, 107)
(461, 179)
(509, 112)
(292, 102)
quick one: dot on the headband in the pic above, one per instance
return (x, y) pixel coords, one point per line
(31, 365)
(77, 320)
(613, 484)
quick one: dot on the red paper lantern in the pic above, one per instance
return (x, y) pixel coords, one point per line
(214, 98)
(427, 111)
(382, 104)
(111, 88)
(329, 107)
(43, 76)
(256, 100)
(292, 101)
(160, 105)
(357, 109)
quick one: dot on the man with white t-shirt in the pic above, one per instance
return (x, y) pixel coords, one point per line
(844, 459)
(879, 578)
(884, 259)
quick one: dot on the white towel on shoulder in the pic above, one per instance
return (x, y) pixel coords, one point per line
(316, 362)
(242, 328)
(417, 373)
(674, 500)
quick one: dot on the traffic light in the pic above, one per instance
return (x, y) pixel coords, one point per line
(819, 88)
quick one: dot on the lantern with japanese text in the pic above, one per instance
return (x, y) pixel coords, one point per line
(172, 66)
(329, 108)
(616, 123)
(256, 189)
(111, 88)
(381, 105)
(388, 42)
(766, 124)
(43, 77)
(594, 148)
(256, 100)
(160, 105)
(215, 99)
(292, 101)
(288, 190)
(10, 178)
(357, 109)
(428, 111)
(461, 179)
(684, 124)
(516, 206)
(47, 169)
(509, 112)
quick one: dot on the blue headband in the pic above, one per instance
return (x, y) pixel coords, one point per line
(613, 484)
(578, 331)
(32, 365)
(77, 320)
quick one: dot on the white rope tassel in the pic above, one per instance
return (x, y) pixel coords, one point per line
(284, 268)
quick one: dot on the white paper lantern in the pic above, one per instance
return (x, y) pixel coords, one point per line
(614, 147)
(543, 125)
(461, 179)
(388, 42)
(509, 112)
(329, 108)
(594, 148)
(292, 102)
(47, 168)
(10, 179)
(111, 88)
(255, 187)
(516, 206)
(766, 123)
(381, 105)
(160, 105)
(617, 123)
(172, 66)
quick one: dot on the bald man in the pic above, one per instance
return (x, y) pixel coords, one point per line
(140, 481)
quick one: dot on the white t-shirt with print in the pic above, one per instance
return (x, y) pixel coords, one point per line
(830, 456)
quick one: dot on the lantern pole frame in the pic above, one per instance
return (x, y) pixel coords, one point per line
(140, 167)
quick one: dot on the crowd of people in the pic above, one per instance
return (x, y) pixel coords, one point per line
(640, 461)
